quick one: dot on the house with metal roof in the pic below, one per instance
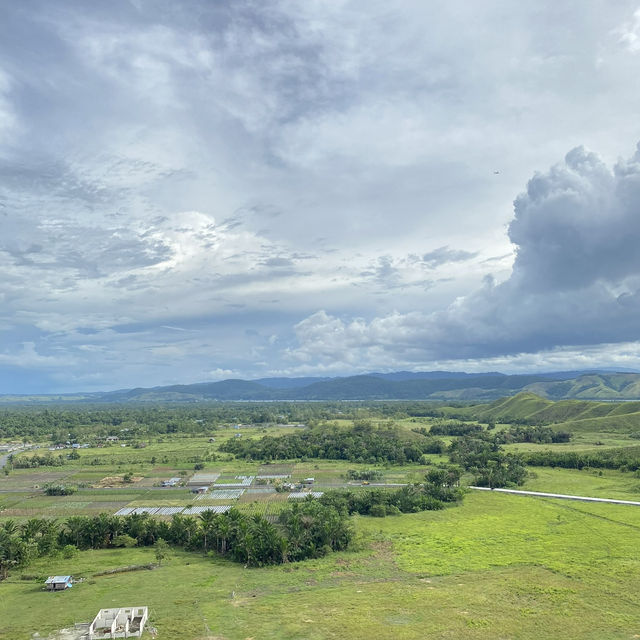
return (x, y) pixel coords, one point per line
(58, 583)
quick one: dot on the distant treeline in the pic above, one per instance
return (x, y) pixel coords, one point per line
(362, 443)
(515, 433)
(622, 459)
(87, 421)
(31, 462)
(537, 434)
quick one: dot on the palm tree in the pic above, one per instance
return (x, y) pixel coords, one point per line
(207, 522)
(224, 531)
(75, 527)
(10, 527)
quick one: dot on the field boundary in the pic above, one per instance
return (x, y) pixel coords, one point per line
(561, 496)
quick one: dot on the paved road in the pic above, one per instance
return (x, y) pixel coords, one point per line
(561, 496)
(3, 459)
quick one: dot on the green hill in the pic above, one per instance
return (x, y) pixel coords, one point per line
(596, 386)
(563, 415)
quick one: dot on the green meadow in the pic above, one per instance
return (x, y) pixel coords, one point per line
(498, 566)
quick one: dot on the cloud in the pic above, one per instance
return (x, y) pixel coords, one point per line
(8, 117)
(231, 168)
(578, 224)
(27, 357)
(444, 255)
(629, 33)
(575, 281)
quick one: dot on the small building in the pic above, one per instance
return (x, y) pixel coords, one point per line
(171, 482)
(199, 489)
(308, 481)
(119, 623)
(58, 583)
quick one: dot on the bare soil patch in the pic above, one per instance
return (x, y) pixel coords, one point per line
(115, 481)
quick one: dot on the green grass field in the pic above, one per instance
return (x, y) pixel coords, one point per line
(495, 567)
(499, 566)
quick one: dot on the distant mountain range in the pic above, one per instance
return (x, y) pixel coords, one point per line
(447, 386)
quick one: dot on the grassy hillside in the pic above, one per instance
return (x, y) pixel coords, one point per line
(568, 415)
(591, 387)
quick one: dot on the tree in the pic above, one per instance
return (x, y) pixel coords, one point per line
(161, 549)
(207, 524)
(124, 540)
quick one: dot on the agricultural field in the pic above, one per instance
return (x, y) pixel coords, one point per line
(494, 566)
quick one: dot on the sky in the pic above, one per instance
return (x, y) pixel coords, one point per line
(204, 190)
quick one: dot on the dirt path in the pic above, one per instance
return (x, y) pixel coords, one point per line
(561, 496)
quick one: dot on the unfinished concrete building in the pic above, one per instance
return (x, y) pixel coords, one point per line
(126, 622)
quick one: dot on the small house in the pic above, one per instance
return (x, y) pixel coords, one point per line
(58, 583)
(199, 489)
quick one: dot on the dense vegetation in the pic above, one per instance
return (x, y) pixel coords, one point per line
(309, 529)
(89, 422)
(31, 462)
(453, 429)
(490, 466)
(622, 459)
(441, 486)
(362, 443)
(537, 434)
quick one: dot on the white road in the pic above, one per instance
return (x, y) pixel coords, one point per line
(561, 496)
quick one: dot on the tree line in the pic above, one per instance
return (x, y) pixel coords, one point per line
(622, 459)
(308, 529)
(440, 486)
(361, 443)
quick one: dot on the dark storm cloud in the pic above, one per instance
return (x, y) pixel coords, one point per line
(575, 281)
(578, 223)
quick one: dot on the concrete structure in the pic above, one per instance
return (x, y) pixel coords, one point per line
(58, 583)
(119, 623)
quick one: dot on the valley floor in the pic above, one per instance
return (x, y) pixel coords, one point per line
(498, 566)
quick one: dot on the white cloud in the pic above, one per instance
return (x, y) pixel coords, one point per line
(629, 33)
(27, 357)
(575, 281)
(231, 168)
